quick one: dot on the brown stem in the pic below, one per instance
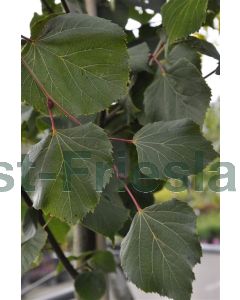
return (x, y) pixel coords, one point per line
(50, 106)
(159, 65)
(121, 140)
(134, 200)
(68, 266)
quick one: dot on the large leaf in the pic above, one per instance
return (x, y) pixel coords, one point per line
(182, 17)
(90, 285)
(69, 169)
(109, 215)
(179, 142)
(79, 61)
(161, 248)
(179, 93)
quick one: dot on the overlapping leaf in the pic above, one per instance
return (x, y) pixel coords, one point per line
(138, 57)
(109, 215)
(179, 93)
(179, 142)
(33, 240)
(80, 61)
(182, 17)
(69, 169)
(161, 248)
(90, 285)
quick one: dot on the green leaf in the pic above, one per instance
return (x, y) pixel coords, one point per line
(180, 93)
(138, 57)
(38, 22)
(33, 240)
(59, 229)
(182, 17)
(79, 61)
(109, 215)
(68, 171)
(179, 142)
(90, 285)
(203, 47)
(103, 260)
(161, 248)
(183, 50)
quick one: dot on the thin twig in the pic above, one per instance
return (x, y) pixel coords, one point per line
(211, 73)
(26, 39)
(65, 6)
(61, 256)
(50, 106)
(121, 140)
(139, 209)
(161, 67)
(156, 53)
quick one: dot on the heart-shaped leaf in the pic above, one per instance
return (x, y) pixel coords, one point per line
(161, 248)
(180, 93)
(162, 146)
(78, 61)
(68, 170)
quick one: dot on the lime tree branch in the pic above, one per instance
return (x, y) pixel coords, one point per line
(61, 256)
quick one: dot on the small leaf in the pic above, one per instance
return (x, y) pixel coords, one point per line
(68, 171)
(59, 229)
(180, 93)
(109, 215)
(38, 22)
(161, 248)
(79, 61)
(203, 47)
(182, 17)
(175, 142)
(138, 57)
(33, 240)
(90, 285)
(103, 260)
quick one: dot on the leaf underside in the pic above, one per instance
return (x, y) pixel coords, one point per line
(31, 248)
(109, 215)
